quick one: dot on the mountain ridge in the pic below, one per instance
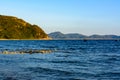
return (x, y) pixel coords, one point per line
(57, 35)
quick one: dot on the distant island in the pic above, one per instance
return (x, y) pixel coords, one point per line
(76, 36)
(15, 28)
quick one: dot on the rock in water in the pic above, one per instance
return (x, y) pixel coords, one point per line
(15, 28)
(42, 51)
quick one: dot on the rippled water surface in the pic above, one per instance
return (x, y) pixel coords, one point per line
(69, 60)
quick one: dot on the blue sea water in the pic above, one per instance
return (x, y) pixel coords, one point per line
(70, 60)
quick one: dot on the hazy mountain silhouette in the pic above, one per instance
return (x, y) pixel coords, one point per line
(59, 35)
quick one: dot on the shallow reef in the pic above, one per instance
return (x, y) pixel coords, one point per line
(42, 51)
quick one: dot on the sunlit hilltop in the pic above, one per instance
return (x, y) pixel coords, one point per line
(15, 28)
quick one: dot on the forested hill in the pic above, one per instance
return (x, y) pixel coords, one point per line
(15, 28)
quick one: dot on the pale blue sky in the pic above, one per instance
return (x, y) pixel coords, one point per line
(68, 16)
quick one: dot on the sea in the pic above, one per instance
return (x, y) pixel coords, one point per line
(68, 60)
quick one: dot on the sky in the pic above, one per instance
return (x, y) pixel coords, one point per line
(67, 16)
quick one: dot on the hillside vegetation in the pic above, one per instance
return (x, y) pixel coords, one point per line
(15, 28)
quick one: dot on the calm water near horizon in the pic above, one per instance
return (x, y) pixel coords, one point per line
(70, 60)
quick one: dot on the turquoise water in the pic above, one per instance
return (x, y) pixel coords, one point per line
(70, 60)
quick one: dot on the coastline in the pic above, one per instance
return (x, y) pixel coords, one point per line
(27, 39)
(59, 39)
